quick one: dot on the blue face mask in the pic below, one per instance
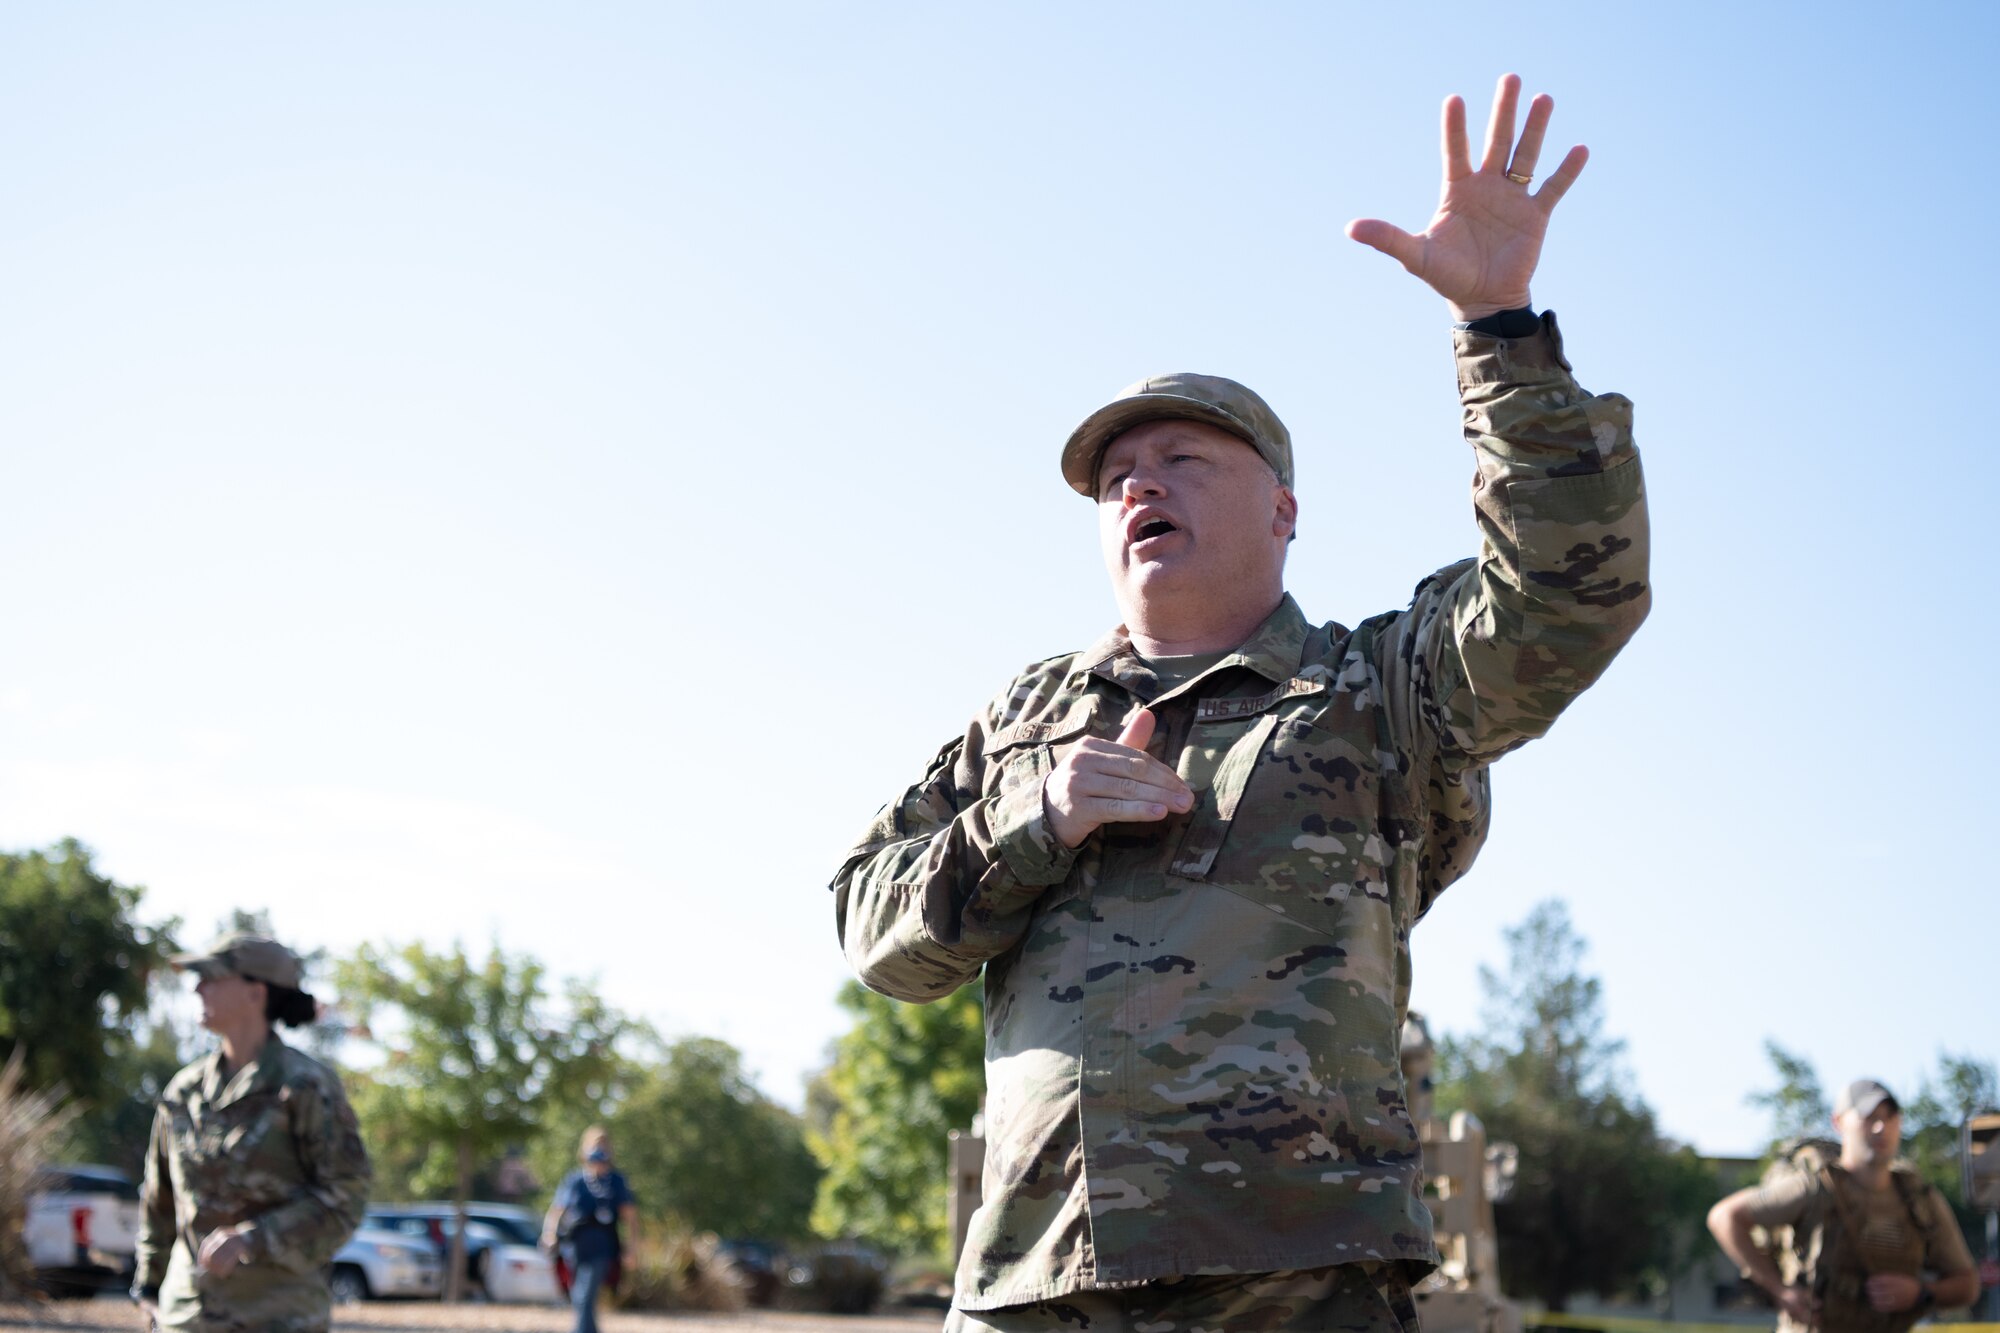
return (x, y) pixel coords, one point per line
(597, 1155)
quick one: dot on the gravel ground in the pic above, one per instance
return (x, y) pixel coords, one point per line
(412, 1317)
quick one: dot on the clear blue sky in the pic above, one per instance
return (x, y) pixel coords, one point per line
(548, 473)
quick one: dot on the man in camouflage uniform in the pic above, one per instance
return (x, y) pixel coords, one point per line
(1189, 858)
(256, 1172)
(1874, 1246)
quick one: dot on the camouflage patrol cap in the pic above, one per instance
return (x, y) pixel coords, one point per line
(1212, 399)
(242, 954)
(1863, 1095)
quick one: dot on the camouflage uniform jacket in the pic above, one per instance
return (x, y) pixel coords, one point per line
(1192, 1025)
(273, 1149)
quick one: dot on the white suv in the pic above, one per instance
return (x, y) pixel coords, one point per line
(82, 1228)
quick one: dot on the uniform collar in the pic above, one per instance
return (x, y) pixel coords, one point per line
(260, 1075)
(1273, 651)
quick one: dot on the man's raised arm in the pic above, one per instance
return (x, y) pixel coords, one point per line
(1492, 651)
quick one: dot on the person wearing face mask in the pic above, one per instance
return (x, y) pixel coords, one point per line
(256, 1171)
(592, 1217)
(1874, 1245)
(1187, 861)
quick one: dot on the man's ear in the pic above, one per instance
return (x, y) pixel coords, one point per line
(1285, 519)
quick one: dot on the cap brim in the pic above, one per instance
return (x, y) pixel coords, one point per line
(201, 964)
(1087, 443)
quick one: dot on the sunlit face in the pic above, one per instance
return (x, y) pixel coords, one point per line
(230, 1003)
(1188, 515)
(1873, 1137)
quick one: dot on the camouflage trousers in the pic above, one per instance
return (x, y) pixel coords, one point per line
(1345, 1298)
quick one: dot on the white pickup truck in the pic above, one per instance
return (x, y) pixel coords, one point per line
(82, 1229)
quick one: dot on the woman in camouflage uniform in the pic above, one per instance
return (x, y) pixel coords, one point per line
(256, 1173)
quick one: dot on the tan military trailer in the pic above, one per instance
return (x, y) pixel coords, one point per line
(1979, 1158)
(1463, 1175)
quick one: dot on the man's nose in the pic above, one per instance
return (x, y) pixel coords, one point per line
(1141, 484)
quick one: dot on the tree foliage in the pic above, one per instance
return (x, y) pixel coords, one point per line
(77, 968)
(1798, 1105)
(475, 1055)
(901, 1079)
(700, 1145)
(1962, 1086)
(1601, 1203)
(115, 1129)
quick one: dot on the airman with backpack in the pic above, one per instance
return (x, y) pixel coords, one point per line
(1859, 1242)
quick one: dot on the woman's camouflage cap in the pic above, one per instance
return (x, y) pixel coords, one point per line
(242, 954)
(1219, 402)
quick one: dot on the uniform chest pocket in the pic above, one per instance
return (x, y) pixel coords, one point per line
(1295, 824)
(238, 1132)
(253, 1130)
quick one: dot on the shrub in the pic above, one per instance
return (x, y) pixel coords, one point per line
(31, 1123)
(678, 1270)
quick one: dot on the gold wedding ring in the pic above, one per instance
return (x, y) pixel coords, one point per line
(1518, 178)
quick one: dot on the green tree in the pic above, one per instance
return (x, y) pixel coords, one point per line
(698, 1143)
(76, 967)
(1601, 1202)
(1798, 1105)
(117, 1127)
(901, 1078)
(1962, 1085)
(475, 1055)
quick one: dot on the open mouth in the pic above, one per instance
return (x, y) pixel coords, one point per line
(1151, 528)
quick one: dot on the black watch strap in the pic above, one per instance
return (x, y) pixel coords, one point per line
(1517, 323)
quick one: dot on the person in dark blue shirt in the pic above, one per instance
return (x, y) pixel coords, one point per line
(592, 1217)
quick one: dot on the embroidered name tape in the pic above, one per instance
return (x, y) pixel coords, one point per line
(1221, 710)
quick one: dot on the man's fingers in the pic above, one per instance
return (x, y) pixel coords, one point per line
(1387, 237)
(1111, 787)
(1564, 176)
(1092, 767)
(1500, 125)
(1529, 150)
(1138, 732)
(1457, 151)
(1125, 812)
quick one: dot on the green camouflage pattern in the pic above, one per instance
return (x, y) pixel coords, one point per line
(1340, 1298)
(1193, 1025)
(274, 1150)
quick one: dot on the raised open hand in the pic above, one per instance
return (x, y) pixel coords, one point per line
(1480, 249)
